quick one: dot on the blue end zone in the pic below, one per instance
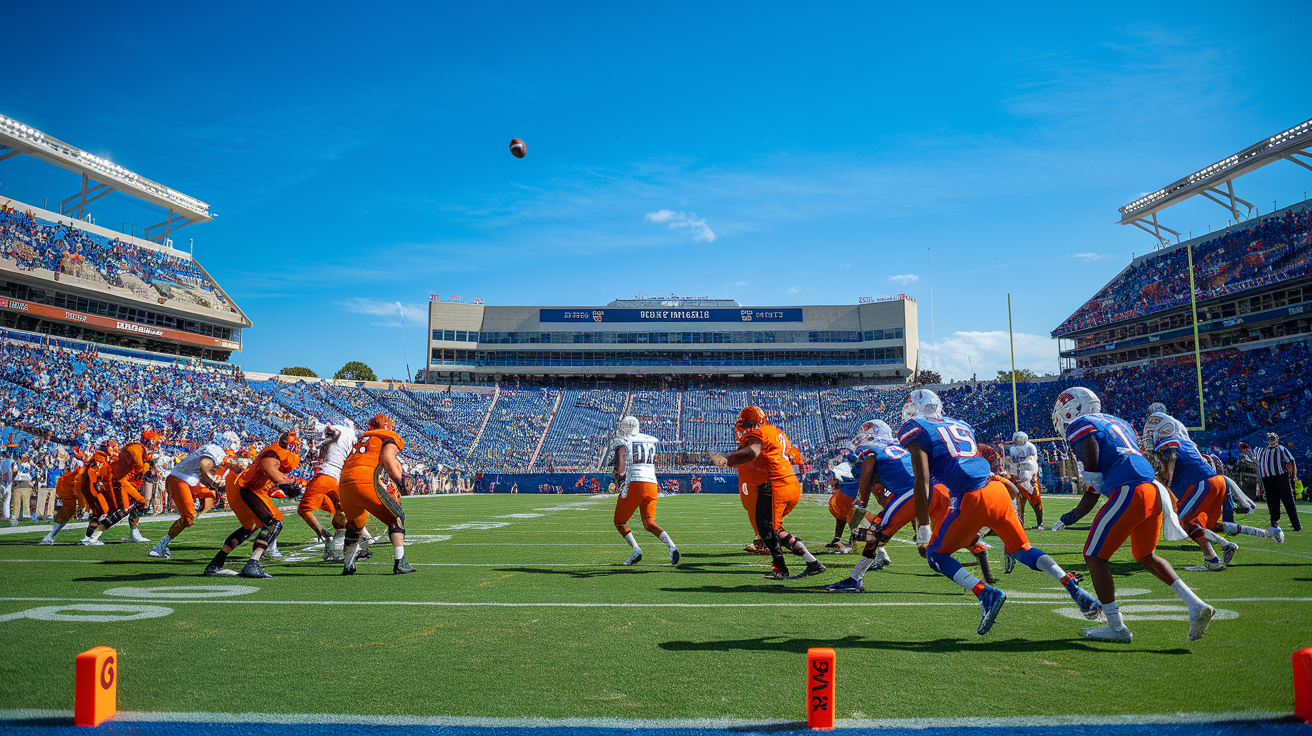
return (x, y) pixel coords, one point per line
(62, 727)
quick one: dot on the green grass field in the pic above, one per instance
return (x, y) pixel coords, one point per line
(521, 608)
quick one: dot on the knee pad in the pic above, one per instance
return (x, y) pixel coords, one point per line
(268, 534)
(785, 537)
(396, 528)
(235, 539)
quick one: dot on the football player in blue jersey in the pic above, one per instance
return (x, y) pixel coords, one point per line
(1115, 467)
(1201, 492)
(946, 449)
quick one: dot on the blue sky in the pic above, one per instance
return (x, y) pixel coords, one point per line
(773, 153)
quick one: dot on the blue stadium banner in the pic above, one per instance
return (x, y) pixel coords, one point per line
(740, 315)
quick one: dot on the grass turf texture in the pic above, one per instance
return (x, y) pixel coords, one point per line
(727, 643)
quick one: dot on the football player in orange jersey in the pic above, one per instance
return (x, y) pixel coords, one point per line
(248, 497)
(122, 489)
(371, 483)
(66, 494)
(750, 476)
(776, 497)
(92, 484)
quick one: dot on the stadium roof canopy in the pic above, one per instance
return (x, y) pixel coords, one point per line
(101, 177)
(1216, 182)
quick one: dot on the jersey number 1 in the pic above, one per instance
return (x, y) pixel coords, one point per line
(959, 441)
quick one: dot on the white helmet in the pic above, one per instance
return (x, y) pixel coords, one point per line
(1157, 407)
(628, 426)
(926, 403)
(1074, 402)
(227, 440)
(909, 412)
(1162, 426)
(1020, 438)
(874, 429)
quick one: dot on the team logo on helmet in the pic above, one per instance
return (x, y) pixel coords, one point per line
(1073, 403)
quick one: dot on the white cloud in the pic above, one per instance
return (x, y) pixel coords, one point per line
(794, 290)
(985, 353)
(905, 278)
(415, 314)
(1086, 257)
(701, 232)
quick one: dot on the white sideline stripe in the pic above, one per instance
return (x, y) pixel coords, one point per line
(503, 604)
(654, 723)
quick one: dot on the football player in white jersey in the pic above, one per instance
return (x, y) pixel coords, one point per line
(198, 468)
(635, 475)
(1023, 459)
(321, 492)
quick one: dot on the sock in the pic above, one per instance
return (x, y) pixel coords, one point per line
(968, 581)
(219, 559)
(1186, 595)
(1113, 613)
(164, 541)
(1210, 536)
(91, 528)
(96, 534)
(862, 565)
(800, 549)
(1050, 566)
(339, 538)
(398, 552)
(633, 543)
(947, 566)
(349, 555)
(1252, 531)
(664, 537)
(881, 555)
(55, 529)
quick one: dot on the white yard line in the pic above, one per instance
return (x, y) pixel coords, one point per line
(655, 723)
(844, 603)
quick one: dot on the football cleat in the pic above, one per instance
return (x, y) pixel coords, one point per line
(1277, 534)
(1199, 620)
(252, 569)
(675, 556)
(836, 544)
(846, 585)
(158, 551)
(218, 571)
(843, 550)
(89, 542)
(1038, 527)
(1228, 553)
(1089, 606)
(275, 554)
(363, 554)
(990, 601)
(1107, 633)
(634, 558)
(401, 567)
(136, 536)
(1008, 564)
(46, 540)
(348, 568)
(1213, 564)
(779, 572)
(335, 558)
(812, 568)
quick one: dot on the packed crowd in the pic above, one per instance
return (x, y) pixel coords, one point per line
(1273, 250)
(34, 243)
(66, 397)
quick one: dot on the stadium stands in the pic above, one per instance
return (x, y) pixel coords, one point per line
(67, 396)
(33, 243)
(1274, 250)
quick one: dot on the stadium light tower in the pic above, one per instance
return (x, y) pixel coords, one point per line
(1216, 182)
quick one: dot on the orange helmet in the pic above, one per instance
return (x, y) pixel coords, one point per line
(382, 421)
(751, 416)
(291, 441)
(150, 439)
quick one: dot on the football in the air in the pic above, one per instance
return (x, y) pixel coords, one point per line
(518, 148)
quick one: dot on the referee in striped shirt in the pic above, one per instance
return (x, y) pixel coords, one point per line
(1276, 472)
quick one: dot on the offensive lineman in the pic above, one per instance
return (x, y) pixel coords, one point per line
(248, 497)
(122, 488)
(776, 497)
(67, 494)
(1136, 507)
(368, 477)
(635, 476)
(1023, 458)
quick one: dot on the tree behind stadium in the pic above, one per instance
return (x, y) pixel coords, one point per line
(298, 370)
(356, 371)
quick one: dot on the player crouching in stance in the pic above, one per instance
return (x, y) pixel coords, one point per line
(1135, 508)
(945, 448)
(886, 465)
(121, 490)
(197, 469)
(371, 483)
(1200, 491)
(254, 508)
(66, 493)
(776, 497)
(635, 477)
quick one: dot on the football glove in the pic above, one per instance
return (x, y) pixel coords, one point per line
(1059, 525)
(923, 534)
(291, 490)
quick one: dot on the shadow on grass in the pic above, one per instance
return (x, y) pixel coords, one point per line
(129, 578)
(933, 646)
(582, 574)
(793, 588)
